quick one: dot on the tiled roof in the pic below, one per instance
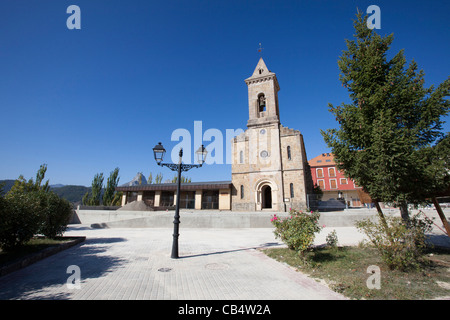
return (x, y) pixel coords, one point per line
(324, 159)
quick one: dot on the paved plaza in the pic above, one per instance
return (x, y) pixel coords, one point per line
(135, 263)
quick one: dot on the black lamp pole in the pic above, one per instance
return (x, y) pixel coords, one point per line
(159, 152)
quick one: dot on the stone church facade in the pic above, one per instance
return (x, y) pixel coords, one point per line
(270, 170)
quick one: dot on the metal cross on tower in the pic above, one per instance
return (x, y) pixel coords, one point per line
(260, 49)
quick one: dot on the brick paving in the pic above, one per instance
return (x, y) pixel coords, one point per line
(214, 264)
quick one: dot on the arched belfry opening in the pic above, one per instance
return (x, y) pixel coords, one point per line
(261, 102)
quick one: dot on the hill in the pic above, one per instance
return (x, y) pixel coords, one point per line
(7, 185)
(71, 193)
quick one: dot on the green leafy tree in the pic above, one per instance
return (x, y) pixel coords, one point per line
(56, 214)
(94, 198)
(158, 178)
(21, 185)
(183, 179)
(30, 208)
(150, 179)
(391, 117)
(111, 184)
(437, 174)
(20, 218)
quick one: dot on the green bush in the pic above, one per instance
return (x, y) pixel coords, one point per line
(56, 213)
(402, 244)
(332, 239)
(20, 219)
(29, 208)
(298, 230)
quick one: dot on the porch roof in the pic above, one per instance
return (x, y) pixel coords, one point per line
(191, 186)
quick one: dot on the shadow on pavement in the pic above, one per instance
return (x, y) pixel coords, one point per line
(261, 246)
(91, 257)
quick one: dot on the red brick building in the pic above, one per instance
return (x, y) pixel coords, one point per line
(333, 182)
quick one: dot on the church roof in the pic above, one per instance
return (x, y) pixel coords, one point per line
(261, 71)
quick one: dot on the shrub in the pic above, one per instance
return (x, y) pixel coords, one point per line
(30, 208)
(297, 231)
(332, 239)
(402, 244)
(20, 219)
(56, 213)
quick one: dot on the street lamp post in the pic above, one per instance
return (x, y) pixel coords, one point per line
(158, 152)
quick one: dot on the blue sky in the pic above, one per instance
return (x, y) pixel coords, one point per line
(86, 101)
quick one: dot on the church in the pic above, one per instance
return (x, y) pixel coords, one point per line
(269, 168)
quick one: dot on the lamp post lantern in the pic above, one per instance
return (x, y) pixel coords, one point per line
(158, 152)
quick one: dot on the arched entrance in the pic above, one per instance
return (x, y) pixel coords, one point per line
(266, 194)
(266, 200)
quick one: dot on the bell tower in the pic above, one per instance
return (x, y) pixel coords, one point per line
(269, 169)
(262, 97)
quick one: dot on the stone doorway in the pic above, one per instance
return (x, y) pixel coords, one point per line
(266, 200)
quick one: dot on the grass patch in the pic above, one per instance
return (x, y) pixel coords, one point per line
(33, 246)
(344, 269)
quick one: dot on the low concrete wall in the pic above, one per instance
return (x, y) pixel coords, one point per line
(221, 219)
(204, 218)
(96, 216)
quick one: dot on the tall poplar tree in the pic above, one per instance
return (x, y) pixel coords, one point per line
(391, 117)
(111, 184)
(94, 199)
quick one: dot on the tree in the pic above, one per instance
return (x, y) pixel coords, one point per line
(94, 199)
(30, 208)
(391, 117)
(111, 184)
(158, 178)
(318, 191)
(150, 179)
(437, 174)
(22, 185)
(183, 179)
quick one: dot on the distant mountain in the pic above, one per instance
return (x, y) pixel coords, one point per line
(71, 193)
(7, 185)
(58, 185)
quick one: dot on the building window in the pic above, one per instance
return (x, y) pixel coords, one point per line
(333, 184)
(319, 173)
(289, 152)
(241, 157)
(291, 187)
(242, 192)
(321, 184)
(343, 181)
(331, 172)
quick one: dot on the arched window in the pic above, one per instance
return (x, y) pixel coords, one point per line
(261, 102)
(289, 152)
(241, 157)
(242, 192)
(319, 173)
(291, 187)
(331, 172)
